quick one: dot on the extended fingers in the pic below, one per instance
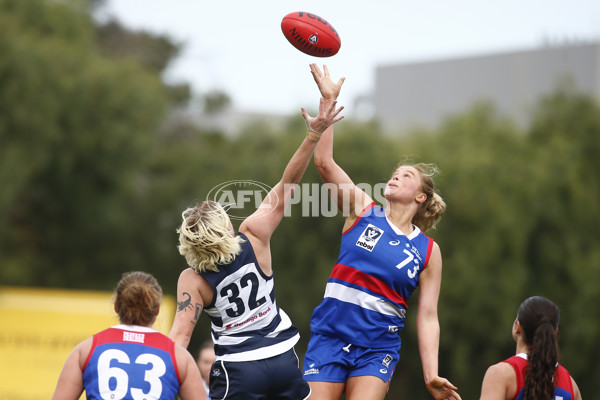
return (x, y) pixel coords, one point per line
(329, 103)
(328, 107)
(307, 118)
(336, 112)
(336, 119)
(316, 72)
(332, 113)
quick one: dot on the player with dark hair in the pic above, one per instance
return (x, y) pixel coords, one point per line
(534, 373)
(384, 256)
(231, 276)
(131, 360)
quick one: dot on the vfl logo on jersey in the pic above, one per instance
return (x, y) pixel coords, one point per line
(369, 238)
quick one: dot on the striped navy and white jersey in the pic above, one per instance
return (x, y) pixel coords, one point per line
(378, 268)
(246, 323)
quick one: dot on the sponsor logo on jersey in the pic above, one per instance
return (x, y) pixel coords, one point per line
(369, 238)
(387, 360)
(133, 337)
(249, 320)
(392, 329)
(383, 370)
(311, 371)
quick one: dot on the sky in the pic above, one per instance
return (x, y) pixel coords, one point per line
(238, 47)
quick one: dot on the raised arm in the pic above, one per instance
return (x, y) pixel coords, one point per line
(349, 198)
(263, 222)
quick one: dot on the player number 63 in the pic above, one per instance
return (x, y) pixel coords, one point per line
(121, 379)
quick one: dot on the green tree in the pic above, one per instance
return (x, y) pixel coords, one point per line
(563, 250)
(520, 222)
(74, 130)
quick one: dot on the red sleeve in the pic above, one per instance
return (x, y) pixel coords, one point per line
(428, 255)
(174, 360)
(564, 379)
(519, 365)
(94, 344)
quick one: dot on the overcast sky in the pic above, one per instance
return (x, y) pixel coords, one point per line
(238, 47)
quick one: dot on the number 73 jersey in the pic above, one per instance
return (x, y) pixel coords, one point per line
(378, 268)
(131, 362)
(246, 323)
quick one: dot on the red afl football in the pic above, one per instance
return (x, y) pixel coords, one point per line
(311, 34)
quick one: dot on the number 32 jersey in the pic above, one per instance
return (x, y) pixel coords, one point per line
(131, 362)
(246, 324)
(377, 270)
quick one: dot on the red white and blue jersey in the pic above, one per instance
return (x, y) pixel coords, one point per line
(246, 323)
(377, 270)
(131, 362)
(563, 386)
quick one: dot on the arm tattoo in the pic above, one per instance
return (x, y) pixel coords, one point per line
(187, 303)
(198, 311)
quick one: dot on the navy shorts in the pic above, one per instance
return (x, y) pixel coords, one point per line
(330, 360)
(273, 378)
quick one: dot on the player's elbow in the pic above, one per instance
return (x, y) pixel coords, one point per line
(324, 165)
(427, 316)
(180, 337)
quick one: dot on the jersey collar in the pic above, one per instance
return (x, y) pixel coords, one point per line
(397, 230)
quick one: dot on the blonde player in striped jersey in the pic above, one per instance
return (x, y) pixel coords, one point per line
(231, 276)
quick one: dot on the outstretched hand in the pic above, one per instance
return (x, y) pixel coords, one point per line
(441, 389)
(328, 115)
(328, 89)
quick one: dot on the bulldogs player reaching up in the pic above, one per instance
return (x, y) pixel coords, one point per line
(384, 256)
(231, 277)
(131, 360)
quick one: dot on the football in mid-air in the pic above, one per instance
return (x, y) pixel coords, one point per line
(311, 34)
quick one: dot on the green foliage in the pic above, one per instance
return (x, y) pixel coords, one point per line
(215, 101)
(148, 51)
(74, 127)
(94, 179)
(521, 221)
